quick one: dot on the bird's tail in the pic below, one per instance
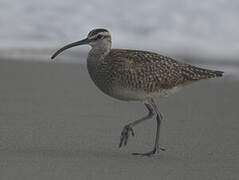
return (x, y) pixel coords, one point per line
(218, 73)
(196, 73)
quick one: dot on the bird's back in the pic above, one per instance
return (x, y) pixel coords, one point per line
(133, 71)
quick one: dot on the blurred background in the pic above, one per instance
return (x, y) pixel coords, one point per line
(205, 30)
(55, 124)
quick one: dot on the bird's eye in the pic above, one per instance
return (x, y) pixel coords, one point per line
(99, 36)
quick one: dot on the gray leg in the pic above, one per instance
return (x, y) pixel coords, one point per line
(159, 117)
(129, 127)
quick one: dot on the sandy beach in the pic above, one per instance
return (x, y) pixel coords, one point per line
(55, 124)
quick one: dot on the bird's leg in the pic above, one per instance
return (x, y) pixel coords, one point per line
(129, 127)
(159, 118)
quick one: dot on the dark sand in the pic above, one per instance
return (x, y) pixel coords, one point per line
(55, 124)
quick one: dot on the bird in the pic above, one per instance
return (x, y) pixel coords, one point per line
(136, 75)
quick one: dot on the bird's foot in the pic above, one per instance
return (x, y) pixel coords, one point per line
(150, 153)
(125, 135)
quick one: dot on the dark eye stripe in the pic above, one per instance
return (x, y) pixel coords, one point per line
(98, 37)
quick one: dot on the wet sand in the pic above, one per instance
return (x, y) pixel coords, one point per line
(55, 124)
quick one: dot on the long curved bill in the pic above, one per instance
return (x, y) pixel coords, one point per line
(78, 43)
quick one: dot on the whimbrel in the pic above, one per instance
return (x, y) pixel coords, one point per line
(133, 75)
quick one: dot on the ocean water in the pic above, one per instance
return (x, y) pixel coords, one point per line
(206, 29)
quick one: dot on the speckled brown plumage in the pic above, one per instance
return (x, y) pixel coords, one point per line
(144, 71)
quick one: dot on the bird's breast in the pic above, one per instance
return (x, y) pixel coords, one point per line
(105, 80)
(100, 75)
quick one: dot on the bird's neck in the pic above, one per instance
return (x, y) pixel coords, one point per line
(98, 52)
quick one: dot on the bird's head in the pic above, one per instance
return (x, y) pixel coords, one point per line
(97, 38)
